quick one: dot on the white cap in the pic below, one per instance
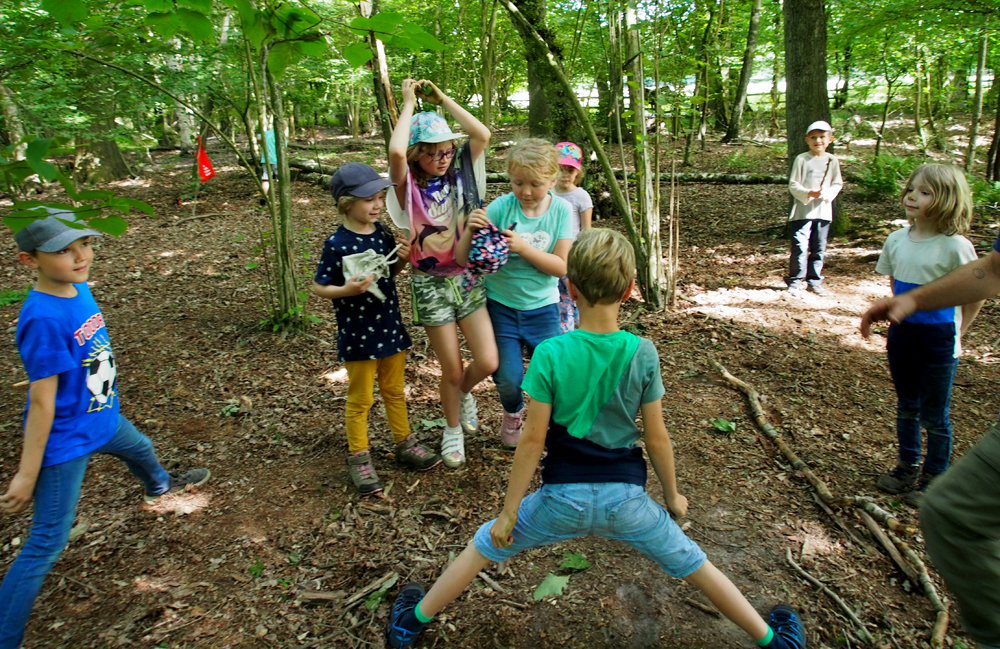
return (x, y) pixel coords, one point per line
(819, 126)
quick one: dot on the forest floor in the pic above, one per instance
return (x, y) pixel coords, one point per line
(222, 566)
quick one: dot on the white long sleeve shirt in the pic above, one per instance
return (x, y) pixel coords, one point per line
(809, 173)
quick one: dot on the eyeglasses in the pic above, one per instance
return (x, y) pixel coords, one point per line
(441, 155)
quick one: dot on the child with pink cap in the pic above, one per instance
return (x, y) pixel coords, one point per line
(570, 173)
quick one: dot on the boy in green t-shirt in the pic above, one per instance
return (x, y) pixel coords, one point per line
(587, 387)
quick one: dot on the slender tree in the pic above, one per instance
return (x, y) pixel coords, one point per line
(746, 72)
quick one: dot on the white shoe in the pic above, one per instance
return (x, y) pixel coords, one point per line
(453, 449)
(468, 413)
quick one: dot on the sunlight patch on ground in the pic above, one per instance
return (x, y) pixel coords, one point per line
(132, 182)
(179, 503)
(170, 253)
(146, 584)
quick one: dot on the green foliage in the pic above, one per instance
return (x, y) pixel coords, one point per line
(256, 569)
(392, 29)
(376, 598)
(724, 425)
(984, 192)
(92, 203)
(883, 177)
(551, 586)
(428, 424)
(13, 296)
(740, 162)
(574, 561)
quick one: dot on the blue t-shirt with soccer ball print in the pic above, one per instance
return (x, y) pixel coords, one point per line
(66, 336)
(367, 328)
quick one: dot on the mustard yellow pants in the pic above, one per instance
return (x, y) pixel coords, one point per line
(361, 384)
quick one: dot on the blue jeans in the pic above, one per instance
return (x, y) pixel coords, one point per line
(808, 247)
(513, 330)
(57, 492)
(923, 397)
(614, 510)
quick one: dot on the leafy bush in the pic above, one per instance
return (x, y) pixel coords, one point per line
(985, 193)
(883, 177)
(12, 296)
(739, 162)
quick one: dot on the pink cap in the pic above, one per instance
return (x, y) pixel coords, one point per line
(570, 154)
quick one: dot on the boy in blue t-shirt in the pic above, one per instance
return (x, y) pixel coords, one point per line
(587, 387)
(72, 410)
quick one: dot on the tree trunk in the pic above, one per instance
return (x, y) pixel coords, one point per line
(387, 111)
(806, 97)
(745, 73)
(841, 97)
(650, 275)
(993, 159)
(977, 104)
(488, 48)
(959, 89)
(288, 314)
(917, 101)
(550, 105)
(12, 121)
(885, 115)
(773, 128)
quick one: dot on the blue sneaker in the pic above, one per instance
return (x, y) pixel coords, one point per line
(788, 630)
(404, 628)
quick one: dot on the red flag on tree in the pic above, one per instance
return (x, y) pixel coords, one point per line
(205, 170)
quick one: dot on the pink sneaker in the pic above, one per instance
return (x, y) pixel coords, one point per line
(510, 431)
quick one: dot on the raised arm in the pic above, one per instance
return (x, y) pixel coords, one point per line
(973, 282)
(400, 141)
(479, 135)
(551, 263)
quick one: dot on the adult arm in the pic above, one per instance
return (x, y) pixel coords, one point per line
(529, 451)
(973, 282)
(479, 135)
(661, 455)
(41, 414)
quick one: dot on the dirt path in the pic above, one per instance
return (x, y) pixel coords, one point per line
(221, 567)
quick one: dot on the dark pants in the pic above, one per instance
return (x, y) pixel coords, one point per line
(923, 398)
(808, 247)
(960, 520)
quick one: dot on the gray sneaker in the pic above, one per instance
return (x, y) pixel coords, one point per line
(901, 479)
(363, 473)
(410, 453)
(468, 414)
(181, 481)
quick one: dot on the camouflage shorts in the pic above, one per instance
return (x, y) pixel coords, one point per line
(442, 300)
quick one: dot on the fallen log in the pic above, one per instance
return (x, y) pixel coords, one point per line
(890, 548)
(941, 622)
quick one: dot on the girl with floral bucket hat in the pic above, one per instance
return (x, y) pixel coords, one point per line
(439, 188)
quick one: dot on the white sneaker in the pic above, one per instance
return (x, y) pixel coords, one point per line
(468, 413)
(453, 448)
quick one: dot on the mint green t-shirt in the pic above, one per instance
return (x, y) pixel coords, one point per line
(518, 284)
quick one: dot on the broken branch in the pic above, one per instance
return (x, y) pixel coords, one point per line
(862, 631)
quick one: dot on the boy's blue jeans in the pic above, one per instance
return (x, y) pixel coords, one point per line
(512, 330)
(923, 393)
(614, 510)
(57, 492)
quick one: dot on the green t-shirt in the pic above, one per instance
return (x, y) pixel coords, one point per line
(596, 383)
(518, 284)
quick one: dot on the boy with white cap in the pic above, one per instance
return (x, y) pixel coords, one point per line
(72, 409)
(814, 182)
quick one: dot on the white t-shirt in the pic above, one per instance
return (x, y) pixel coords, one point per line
(809, 173)
(915, 263)
(580, 201)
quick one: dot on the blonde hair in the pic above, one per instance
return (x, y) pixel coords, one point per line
(601, 264)
(951, 202)
(413, 153)
(344, 203)
(535, 157)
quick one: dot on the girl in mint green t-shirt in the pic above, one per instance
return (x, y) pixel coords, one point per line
(522, 297)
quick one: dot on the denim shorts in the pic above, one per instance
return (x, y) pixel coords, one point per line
(442, 300)
(614, 510)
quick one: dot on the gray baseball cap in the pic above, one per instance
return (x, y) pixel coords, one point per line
(51, 234)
